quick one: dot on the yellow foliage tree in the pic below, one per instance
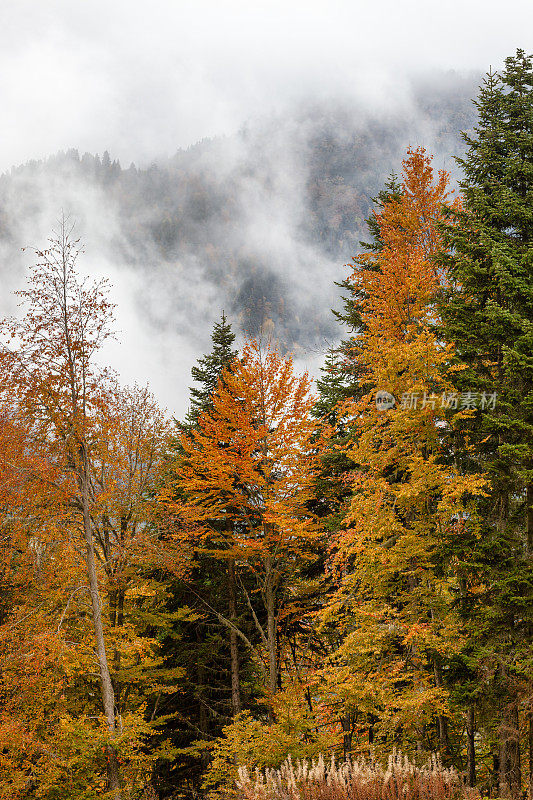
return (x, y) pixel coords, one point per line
(394, 598)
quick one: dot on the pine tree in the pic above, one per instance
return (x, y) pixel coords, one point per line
(208, 373)
(488, 312)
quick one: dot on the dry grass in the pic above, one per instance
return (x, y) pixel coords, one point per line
(318, 780)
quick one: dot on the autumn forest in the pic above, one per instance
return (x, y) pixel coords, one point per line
(308, 587)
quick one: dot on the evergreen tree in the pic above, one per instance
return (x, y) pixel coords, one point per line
(208, 655)
(488, 312)
(209, 369)
(341, 379)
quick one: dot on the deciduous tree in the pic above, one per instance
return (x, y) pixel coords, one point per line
(250, 462)
(50, 365)
(394, 604)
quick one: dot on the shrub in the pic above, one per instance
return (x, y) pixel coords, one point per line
(318, 780)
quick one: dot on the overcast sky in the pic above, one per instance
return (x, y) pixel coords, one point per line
(143, 77)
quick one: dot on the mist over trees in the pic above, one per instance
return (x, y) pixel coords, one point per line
(242, 222)
(290, 592)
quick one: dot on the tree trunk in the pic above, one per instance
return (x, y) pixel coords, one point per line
(495, 773)
(530, 518)
(346, 724)
(514, 752)
(233, 643)
(470, 747)
(108, 697)
(271, 633)
(119, 621)
(530, 751)
(203, 722)
(442, 721)
(503, 787)
(510, 768)
(530, 713)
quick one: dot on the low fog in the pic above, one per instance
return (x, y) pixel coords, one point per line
(258, 137)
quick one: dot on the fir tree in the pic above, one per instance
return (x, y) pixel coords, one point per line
(209, 369)
(341, 379)
(208, 654)
(488, 312)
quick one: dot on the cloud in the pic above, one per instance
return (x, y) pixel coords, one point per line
(258, 224)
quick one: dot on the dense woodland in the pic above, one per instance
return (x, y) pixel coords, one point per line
(346, 571)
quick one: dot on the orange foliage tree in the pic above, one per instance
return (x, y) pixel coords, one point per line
(244, 480)
(80, 461)
(50, 368)
(30, 684)
(394, 604)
